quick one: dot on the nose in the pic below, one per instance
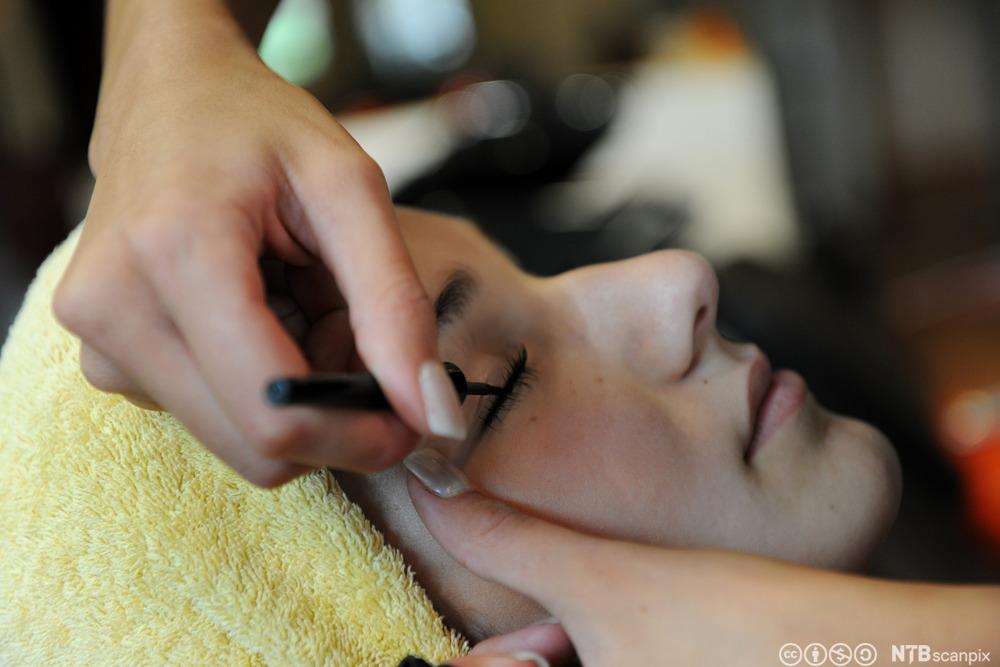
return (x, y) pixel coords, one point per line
(654, 312)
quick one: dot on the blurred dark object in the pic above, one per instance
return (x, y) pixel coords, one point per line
(823, 54)
(73, 31)
(51, 53)
(950, 315)
(494, 180)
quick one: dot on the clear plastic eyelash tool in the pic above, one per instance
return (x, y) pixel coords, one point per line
(359, 391)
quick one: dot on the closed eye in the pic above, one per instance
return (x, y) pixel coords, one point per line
(516, 380)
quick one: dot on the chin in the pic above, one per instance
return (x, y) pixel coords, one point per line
(891, 477)
(877, 487)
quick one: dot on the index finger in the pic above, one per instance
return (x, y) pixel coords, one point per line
(355, 228)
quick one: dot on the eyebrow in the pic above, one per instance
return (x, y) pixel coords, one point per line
(453, 299)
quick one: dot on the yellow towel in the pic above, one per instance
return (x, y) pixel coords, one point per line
(123, 541)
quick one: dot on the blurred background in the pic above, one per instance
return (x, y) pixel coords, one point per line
(838, 162)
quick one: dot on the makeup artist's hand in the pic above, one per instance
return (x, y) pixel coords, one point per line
(621, 603)
(205, 162)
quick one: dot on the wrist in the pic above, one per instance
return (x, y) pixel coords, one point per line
(833, 607)
(154, 49)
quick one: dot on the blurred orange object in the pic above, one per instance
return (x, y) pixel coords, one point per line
(971, 431)
(716, 32)
(981, 471)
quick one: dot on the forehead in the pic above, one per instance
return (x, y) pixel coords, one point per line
(434, 237)
(417, 225)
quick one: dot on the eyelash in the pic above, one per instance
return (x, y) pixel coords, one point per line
(517, 377)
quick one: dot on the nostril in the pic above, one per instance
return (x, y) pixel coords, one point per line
(700, 316)
(699, 332)
(697, 339)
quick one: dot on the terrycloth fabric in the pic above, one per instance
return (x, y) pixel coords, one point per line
(123, 541)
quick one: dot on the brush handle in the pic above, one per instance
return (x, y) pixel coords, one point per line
(358, 391)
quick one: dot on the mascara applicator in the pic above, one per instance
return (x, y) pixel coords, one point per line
(359, 391)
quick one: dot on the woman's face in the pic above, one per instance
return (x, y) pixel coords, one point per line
(633, 418)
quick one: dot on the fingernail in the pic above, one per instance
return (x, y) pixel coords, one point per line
(436, 473)
(551, 620)
(444, 414)
(531, 655)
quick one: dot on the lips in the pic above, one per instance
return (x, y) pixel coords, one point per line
(760, 384)
(773, 398)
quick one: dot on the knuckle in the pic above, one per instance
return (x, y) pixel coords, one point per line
(156, 242)
(272, 475)
(386, 450)
(183, 236)
(367, 458)
(367, 172)
(142, 401)
(94, 150)
(276, 439)
(68, 304)
(403, 297)
(100, 373)
(494, 529)
(76, 305)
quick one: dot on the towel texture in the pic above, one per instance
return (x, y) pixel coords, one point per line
(124, 541)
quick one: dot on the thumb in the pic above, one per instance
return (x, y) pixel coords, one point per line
(546, 562)
(544, 639)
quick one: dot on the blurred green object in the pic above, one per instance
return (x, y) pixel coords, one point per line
(298, 43)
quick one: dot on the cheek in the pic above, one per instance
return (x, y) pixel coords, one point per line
(832, 501)
(618, 470)
(538, 456)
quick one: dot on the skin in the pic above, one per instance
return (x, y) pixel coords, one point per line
(622, 603)
(205, 161)
(634, 427)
